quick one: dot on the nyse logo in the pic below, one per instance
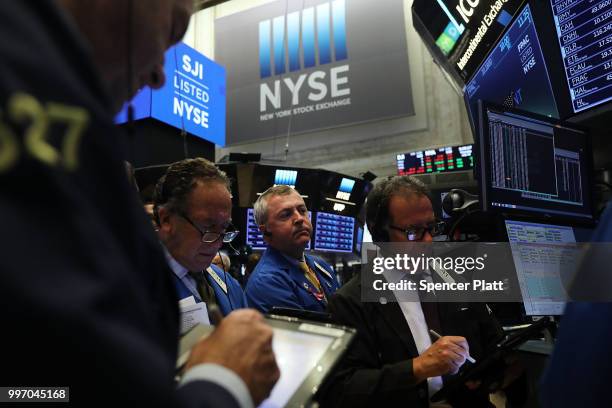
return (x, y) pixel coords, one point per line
(346, 187)
(288, 44)
(285, 177)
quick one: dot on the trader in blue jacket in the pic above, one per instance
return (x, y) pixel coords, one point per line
(285, 276)
(193, 206)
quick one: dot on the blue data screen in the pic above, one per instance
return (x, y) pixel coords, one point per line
(334, 233)
(514, 74)
(584, 30)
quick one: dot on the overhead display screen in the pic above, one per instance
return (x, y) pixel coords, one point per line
(254, 236)
(514, 74)
(444, 159)
(584, 30)
(462, 30)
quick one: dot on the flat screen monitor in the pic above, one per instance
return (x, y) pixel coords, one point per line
(440, 160)
(306, 353)
(339, 194)
(584, 33)
(334, 233)
(460, 33)
(514, 74)
(254, 237)
(538, 266)
(533, 165)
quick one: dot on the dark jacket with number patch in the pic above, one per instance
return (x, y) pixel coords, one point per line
(86, 298)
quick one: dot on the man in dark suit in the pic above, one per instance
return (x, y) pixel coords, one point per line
(394, 361)
(86, 297)
(286, 276)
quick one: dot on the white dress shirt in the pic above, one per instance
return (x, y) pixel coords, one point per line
(413, 313)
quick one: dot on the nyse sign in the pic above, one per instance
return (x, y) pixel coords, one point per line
(193, 97)
(191, 94)
(314, 89)
(314, 65)
(283, 32)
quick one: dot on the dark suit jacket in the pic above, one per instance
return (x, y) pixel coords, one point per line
(377, 370)
(86, 297)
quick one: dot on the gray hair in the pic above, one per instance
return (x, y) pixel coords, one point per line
(260, 208)
(180, 179)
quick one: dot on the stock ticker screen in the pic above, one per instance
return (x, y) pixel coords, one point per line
(584, 30)
(444, 159)
(539, 256)
(534, 166)
(334, 233)
(514, 74)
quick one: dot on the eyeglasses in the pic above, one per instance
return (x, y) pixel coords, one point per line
(417, 233)
(208, 237)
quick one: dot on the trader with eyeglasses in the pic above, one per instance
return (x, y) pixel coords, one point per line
(193, 206)
(394, 361)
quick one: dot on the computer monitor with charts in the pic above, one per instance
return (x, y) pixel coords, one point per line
(542, 253)
(533, 165)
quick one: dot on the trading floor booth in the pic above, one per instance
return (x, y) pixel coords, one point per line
(536, 79)
(334, 202)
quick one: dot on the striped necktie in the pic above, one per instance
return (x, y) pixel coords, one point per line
(312, 277)
(207, 293)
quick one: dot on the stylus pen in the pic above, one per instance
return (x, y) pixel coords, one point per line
(437, 336)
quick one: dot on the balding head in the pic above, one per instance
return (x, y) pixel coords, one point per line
(109, 25)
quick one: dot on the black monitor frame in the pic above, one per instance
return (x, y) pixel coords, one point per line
(544, 27)
(483, 170)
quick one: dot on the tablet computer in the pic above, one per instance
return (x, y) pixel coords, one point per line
(306, 352)
(502, 348)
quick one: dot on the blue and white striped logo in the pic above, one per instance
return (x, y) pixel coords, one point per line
(346, 185)
(293, 36)
(344, 191)
(285, 177)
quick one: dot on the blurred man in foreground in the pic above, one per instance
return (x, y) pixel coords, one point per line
(87, 298)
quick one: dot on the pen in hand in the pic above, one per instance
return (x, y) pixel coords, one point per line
(438, 336)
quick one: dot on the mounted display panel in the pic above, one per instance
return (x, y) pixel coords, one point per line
(514, 73)
(334, 233)
(460, 33)
(584, 33)
(307, 66)
(440, 160)
(533, 165)
(192, 99)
